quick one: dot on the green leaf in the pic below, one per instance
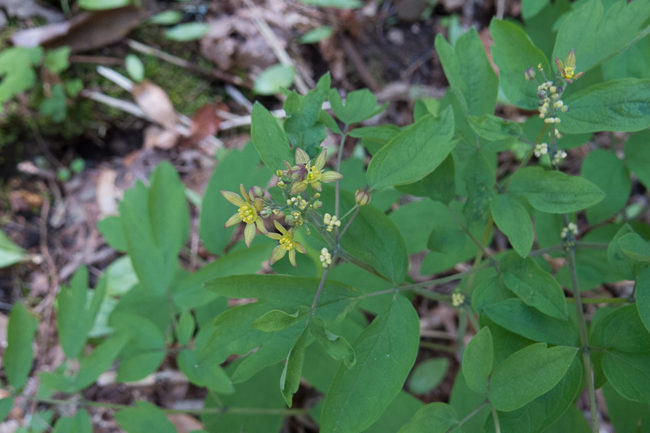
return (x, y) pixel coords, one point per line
(637, 156)
(19, 356)
(530, 8)
(6, 404)
(269, 139)
(616, 105)
(316, 35)
(387, 349)
(10, 253)
(16, 68)
(465, 402)
(610, 31)
(621, 330)
(204, 372)
(277, 320)
(55, 107)
(439, 185)
(144, 418)
(427, 375)
(608, 173)
(514, 52)
(626, 416)
(544, 410)
(536, 287)
(273, 79)
(433, 418)
(80, 423)
(285, 292)
(187, 32)
(359, 105)
(513, 220)
(155, 223)
(493, 128)
(292, 371)
(215, 209)
(414, 153)
(629, 374)
(166, 18)
(134, 67)
(111, 228)
(642, 290)
(477, 360)
(335, 345)
(469, 72)
(373, 238)
(75, 319)
(572, 420)
(479, 177)
(261, 391)
(56, 60)
(528, 374)
(623, 250)
(103, 4)
(553, 191)
(185, 328)
(521, 319)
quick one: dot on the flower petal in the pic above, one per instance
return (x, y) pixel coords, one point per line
(260, 225)
(330, 176)
(277, 254)
(292, 257)
(249, 234)
(301, 248)
(244, 193)
(235, 219)
(321, 159)
(275, 236)
(302, 157)
(279, 227)
(233, 198)
(298, 187)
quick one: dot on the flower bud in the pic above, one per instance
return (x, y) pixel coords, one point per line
(529, 74)
(362, 197)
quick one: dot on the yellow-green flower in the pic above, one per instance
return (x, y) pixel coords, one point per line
(312, 174)
(568, 68)
(249, 206)
(286, 244)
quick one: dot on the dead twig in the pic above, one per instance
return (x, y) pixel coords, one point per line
(276, 46)
(215, 73)
(359, 64)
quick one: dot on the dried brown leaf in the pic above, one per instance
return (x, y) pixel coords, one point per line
(155, 103)
(85, 31)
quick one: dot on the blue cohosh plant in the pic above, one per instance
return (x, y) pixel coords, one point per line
(546, 318)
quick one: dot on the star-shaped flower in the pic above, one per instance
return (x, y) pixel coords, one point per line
(249, 206)
(312, 174)
(286, 244)
(568, 68)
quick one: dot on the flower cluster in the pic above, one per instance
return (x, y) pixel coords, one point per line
(457, 299)
(331, 221)
(550, 103)
(559, 156)
(540, 149)
(325, 258)
(300, 184)
(571, 228)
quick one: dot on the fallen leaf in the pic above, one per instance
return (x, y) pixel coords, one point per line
(107, 194)
(29, 9)
(156, 137)
(24, 201)
(155, 103)
(205, 122)
(85, 31)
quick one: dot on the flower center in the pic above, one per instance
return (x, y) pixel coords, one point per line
(569, 72)
(247, 213)
(313, 174)
(287, 243)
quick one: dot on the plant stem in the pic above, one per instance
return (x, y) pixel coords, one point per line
(495, 417)
(582, 329)
(320, 288)
(435, 346)
(469, 416)
(339, 157)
